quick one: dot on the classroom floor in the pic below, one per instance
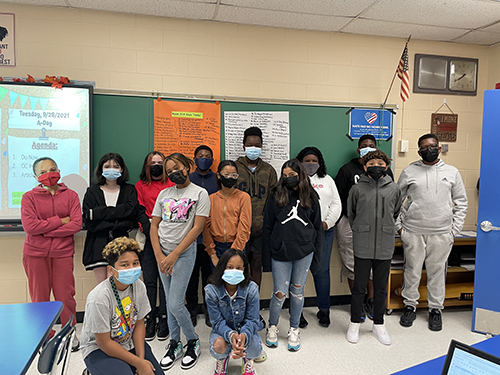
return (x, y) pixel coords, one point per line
(326, 350)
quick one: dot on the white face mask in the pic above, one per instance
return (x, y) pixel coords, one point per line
(366, 150)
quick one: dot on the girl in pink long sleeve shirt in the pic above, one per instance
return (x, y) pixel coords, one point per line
(51, 215)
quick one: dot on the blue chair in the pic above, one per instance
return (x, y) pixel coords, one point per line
(55, 353)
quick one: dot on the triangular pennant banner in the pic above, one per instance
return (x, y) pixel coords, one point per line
(3, 92)
(24, 98)
(43, 102)
(13, 97)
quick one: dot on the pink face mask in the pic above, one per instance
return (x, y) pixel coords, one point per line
(49, 179)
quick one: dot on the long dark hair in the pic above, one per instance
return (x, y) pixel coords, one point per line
(222, 164)
(216, 276)
(307, 194)
(99, 179)
(316, 152)
(146, 173)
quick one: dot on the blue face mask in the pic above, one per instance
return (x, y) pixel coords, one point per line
(253, 152)
(366, 150)
(233, 277)
(203, 163)
(111, 174)
(128, 276)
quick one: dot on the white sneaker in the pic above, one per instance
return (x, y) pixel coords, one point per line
(293, 339)
(381, 334)
(262, 357)
(272, 337)
(353, 332)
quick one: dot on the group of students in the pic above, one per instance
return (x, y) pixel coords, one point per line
(230, 225)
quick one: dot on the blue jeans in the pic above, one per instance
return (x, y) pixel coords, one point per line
(175, 290)
(220, 247)
(289, 276)
(99, 363)
(322, 277)
(252, 350)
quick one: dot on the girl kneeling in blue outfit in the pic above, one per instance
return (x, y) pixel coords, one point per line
(233, 307)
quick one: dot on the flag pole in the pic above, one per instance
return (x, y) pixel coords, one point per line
(394, 76)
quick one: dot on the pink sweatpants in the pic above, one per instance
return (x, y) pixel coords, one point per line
(52, 274)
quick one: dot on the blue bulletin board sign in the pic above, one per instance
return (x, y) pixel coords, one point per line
(370, 121)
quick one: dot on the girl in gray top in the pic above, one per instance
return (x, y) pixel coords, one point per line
(178, 218)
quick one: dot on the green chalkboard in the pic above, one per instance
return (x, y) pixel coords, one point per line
(124, 124)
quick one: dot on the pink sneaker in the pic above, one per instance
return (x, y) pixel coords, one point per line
(221, 367)
(247, 367)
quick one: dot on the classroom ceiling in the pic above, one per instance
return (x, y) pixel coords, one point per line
(460, 21)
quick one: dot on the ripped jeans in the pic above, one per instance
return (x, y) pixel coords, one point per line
(289, 278)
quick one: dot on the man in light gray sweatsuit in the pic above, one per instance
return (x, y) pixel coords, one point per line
(432, 216)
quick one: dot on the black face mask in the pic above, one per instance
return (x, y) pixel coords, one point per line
(430, 155)
(156, 170)
(291, 182)
(177, 178)
(376, 172)
(228, 181)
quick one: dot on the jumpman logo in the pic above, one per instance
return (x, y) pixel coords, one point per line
(294, 214)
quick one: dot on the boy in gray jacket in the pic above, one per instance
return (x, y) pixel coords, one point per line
(432, 216)
(372, 208)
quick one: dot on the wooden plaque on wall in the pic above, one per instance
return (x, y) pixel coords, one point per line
(444, 126)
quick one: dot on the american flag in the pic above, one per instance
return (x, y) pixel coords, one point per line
(403, 75)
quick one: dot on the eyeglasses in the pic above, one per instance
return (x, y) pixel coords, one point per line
(428, 148)
(233, 175)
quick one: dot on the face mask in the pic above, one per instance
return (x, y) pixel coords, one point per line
(291, 182)
(156, 170)
(177, 178)
(366, 150)
(203, 163)
(233, 277)
(430, 155)
(228, 181)
(311, 168)
(111, 174)
(128, 276)
(253, 152)
(376, 172)
(49, 179)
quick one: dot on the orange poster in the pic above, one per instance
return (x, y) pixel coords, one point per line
(183, 126)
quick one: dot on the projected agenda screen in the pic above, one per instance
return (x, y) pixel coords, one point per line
(37, 121)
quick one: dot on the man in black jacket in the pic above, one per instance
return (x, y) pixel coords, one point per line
(346, 178)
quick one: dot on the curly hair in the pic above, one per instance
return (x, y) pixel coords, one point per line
(117, 247)
(377, 154)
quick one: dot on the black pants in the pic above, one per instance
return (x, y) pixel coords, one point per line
(151, 276)
(202, 264)
(381, 269)
(253, 250)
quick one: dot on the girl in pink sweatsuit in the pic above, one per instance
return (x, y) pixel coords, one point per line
(50, 215)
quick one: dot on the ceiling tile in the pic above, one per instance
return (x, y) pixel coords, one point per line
(322, 7)
(495, 28)
(56, 3)
(467, 14)
(166, 8)
(479, 37)
(280, 19)
(401, 30)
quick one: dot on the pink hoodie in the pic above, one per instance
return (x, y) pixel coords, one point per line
(41, 214)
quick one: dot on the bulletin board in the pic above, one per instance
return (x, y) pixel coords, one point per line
(124, 124)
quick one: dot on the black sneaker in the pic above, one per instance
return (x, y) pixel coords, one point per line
(163, 328)
(363, 316)
(408, 316)
(435, 320)
(324, 318)
(207, 317)
(303, 322)
(150, 328)
(262, 320)
(174, 353)
(192, 354)
(369, 307)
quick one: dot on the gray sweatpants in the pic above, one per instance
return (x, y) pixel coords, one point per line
(433, 250)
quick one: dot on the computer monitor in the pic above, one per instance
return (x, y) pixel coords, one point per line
(463, 359)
